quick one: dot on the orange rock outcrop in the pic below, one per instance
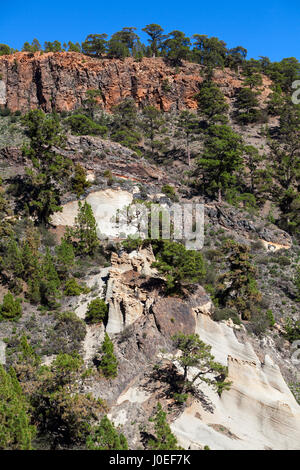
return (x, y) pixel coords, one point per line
(59, 81)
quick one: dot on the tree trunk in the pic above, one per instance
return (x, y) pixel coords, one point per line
(219, 195)
(188, 152)
(185, 374)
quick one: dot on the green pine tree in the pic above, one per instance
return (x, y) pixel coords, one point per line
(108, 363)
(65, 258)
(49, 282)
(180, 266)
(13, 258)
(106, 437)
(188, 124)
(164, 439)
(196, 353)
(85, 230)
(79, 181)
(220, 161)
(212, 105)
(151, 124)
(47, 172)
(16, 433)
(11, 308)
(97, 311)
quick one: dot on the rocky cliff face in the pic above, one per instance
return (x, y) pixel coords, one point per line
(258, 412)
(60, 80)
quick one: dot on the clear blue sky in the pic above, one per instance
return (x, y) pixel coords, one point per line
(265, 27)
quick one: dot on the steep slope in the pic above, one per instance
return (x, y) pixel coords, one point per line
(59, 81)
(259, 411)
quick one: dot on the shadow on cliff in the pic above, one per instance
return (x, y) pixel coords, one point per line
(167, 382)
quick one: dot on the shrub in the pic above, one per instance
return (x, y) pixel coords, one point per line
(261, 321)
(270, 317)
(72, 288)
(106, 437)
(131, 244)
(292, 329)
(67, 334)
(97, 311)
(4, 112)
(170, 192)
(109, 177)
(83, 125)
(283, 261)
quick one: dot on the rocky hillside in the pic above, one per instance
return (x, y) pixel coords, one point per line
(90, 326)
(59, 81)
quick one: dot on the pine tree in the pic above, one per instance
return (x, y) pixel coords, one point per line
(155, 32)
(47, 172)
(210, 52)
(13, 258)
(49, 282)
(29, 261)
(196, 353)
(237, 286)
(97, 311)
(108, 363)
(220, 161)
(164, 439)
(290, 207)
(91, 101)
(252, 159)
(79, 181)
(65, 258)
(94, 45)
(180, 266)
(11, 308)
(16, 433)
(286, 148)
(151, 124)
(211, 102)
(106, 437)
(85, 230)
(176, 47)
(125, 123)
(253, 80)
(285, 165)
(5, 222)
(247, 105)
(189, 126)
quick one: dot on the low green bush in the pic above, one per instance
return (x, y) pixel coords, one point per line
(97, 311)
(83, 125)
(72, 288)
